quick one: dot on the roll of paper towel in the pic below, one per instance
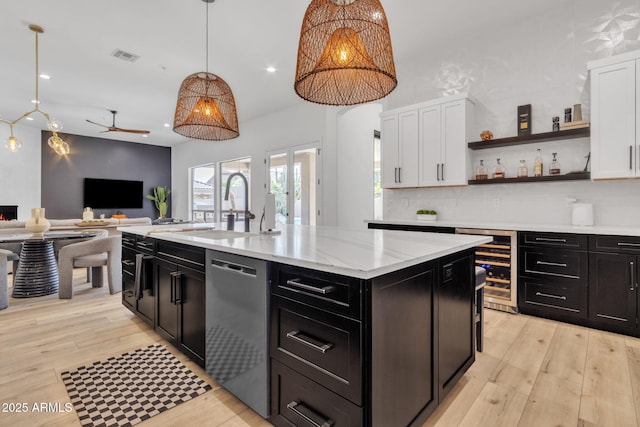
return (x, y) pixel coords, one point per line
(269, 211)
(582, 214)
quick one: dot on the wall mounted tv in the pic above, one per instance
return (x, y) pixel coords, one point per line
(112, 194)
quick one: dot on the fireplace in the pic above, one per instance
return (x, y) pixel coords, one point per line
(8, 212)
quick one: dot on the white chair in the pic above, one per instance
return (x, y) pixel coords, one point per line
(94, 254)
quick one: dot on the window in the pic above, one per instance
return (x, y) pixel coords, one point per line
(293, 178)
(203, 193)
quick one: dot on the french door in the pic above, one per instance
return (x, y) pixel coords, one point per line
(293, 176)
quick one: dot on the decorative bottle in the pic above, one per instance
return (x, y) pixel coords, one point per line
(498, 170)
(523, 171)
(554, 167)
(481, 171)
(537, 164)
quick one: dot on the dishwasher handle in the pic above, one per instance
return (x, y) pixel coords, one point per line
(233, 267)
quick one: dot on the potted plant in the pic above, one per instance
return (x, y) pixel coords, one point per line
(159, 197)
(426, 215)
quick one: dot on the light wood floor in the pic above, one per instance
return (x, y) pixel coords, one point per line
(533, 372)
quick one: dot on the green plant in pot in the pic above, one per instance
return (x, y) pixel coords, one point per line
(159, 197)
(426, 215)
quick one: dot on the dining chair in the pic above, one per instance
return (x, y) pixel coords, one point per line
(5, 257)
(94, 254)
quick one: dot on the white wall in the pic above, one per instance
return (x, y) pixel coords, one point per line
(540, 60)
(355, 163)
(300, 125)
(20, 172)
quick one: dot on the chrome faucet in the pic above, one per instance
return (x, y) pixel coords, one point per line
(247, 214)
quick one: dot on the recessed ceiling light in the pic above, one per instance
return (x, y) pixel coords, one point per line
(29, 118)
(167, 125)
(45, 76)
(145, 135)
(271, 69)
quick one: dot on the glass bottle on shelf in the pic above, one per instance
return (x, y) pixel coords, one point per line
(481, 171)
(554, 167)
(523, 171)
(537, 164)
(498, 170)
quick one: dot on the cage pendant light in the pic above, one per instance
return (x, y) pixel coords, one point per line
(344, 54)
(206, 108)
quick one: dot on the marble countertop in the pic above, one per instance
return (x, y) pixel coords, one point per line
(360, 253)
(553, 228)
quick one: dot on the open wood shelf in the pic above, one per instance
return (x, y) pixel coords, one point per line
(529, 139)
(565, 177)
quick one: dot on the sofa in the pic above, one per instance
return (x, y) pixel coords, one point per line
(13, 227)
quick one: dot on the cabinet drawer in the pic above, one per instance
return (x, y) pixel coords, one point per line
(189, 256)
(128, 261)
(553, 295)
(620, 244)
(325, 347)
(565, 264)
(554, 240)
(145, 244)
(298, 401)
(332, 292)
(128, 240)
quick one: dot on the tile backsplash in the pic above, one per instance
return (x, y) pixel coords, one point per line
(542, 61)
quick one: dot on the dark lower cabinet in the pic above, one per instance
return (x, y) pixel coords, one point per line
(614, 303)
(138, 287)
(163, 283)
(181, 307)
(378, 352)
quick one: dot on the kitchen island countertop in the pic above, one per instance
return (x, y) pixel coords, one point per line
(359, 253)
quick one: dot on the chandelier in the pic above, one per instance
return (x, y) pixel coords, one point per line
(206, 108)
(344, 54)
(55, 141)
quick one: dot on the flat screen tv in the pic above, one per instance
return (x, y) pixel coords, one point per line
(112, 194)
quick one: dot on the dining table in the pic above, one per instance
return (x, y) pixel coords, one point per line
(37, 272)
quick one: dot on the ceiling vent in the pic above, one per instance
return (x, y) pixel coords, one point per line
(125, 56)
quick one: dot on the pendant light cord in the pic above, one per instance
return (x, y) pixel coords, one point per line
(207, 42)
(37, 98)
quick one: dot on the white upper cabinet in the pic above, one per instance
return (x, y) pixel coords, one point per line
(425, 145)
(443, 143)
(615, 117)
(399, 136)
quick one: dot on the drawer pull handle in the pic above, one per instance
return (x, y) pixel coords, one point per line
(553, 264)
(540, 294)
(629, 244)
(235, 268)
(128, 262)
(296, 283)
(307, 340)
(308, 414)
(548, 239)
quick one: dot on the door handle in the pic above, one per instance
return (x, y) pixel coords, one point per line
(632, 271)
(442, 171)
(630, 157)
(176, 288)
(296, 283)
(542, 294)
(306, 340)
(548, 239)
(400, 175)
(554, 264)
(438, 171)
(395, 175)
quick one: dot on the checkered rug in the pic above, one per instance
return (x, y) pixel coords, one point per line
(133, 387)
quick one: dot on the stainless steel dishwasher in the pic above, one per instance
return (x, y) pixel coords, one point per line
(236, 319)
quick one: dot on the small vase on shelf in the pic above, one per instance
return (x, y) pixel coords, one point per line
(37, 224)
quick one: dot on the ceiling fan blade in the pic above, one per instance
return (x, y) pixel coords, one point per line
(132, 131)
(99, 124)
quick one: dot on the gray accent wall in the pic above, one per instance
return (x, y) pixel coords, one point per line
(63, 177)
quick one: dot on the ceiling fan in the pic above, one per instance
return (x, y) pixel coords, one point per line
(114, 128)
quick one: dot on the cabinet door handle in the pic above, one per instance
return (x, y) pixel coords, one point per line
(554, 264)
(442, 171)
(395, 175)
(541, 294)
(630, 157)
(400, 175)
(438, 171)
(296, 283)
(633, 279)
(178, 293)
(306, 340)
(128, 262)
(628, 244)
(309, 415)
(548, 239)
